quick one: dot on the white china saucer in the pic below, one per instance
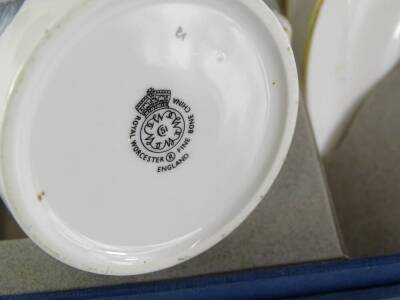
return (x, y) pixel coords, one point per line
(352, 46)
(137, 134)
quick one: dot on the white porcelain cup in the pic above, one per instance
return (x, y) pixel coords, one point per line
(136, 134)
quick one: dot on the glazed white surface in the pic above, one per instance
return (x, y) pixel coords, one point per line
(354, 44)
(70, 176)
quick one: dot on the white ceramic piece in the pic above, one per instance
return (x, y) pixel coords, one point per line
(137, 134)
(354, 44)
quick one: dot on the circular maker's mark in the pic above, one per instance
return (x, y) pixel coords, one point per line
(162, 130)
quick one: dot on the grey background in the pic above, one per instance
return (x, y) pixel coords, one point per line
(364, 174)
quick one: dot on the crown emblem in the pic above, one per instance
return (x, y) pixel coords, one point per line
(154, 100)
